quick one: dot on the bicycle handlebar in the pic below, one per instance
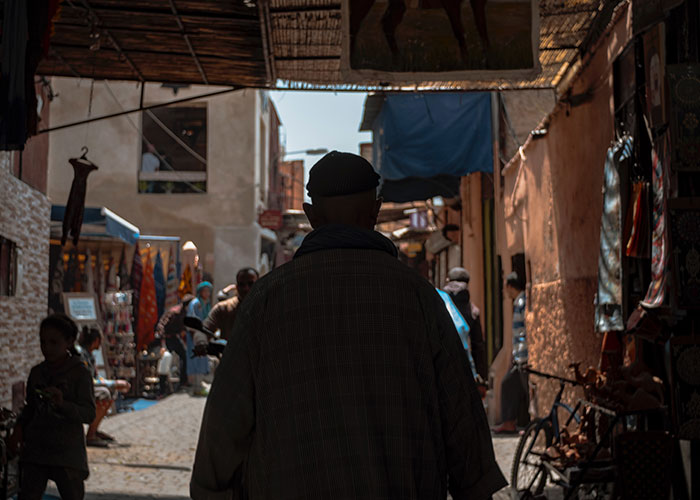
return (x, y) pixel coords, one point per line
(550, 376)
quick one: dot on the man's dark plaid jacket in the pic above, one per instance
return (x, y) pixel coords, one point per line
(344, 378)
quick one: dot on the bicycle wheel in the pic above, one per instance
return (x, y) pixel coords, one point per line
(528, 475)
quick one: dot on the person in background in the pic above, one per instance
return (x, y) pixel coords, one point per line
(344, 376)
(91, 340)
(457, 287)
(49, 432)
(223, 314)
(198, 366)
(150, 163)
(514, 388)
(201, 305)
(171, 332)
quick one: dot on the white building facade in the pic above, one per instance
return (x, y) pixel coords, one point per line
(196, 169)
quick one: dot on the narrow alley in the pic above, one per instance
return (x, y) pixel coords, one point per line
(156, 449)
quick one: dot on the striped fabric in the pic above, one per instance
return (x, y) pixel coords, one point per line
(344, 378)
(519, 337)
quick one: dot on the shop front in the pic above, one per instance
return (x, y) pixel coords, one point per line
(92, 283)
(601, 203)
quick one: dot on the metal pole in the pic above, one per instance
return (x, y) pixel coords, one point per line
(140, 108)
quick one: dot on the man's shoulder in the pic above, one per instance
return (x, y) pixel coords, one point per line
(227, 305)
(320, 264)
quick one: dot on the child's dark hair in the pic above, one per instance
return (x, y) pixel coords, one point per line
(64, 324)
(89, 335)
(515, 281)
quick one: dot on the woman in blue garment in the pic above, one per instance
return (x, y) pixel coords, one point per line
(198, 367)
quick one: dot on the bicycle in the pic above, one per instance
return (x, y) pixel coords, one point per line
(531, 470)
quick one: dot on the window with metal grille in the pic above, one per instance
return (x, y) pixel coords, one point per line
(8, 266)
(174, 150)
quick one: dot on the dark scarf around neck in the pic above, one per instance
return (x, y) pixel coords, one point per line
(334, 236)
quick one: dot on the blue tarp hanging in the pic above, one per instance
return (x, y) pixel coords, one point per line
(92, 216)
(432, 134)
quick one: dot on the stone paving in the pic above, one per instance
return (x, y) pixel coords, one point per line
(156, 449)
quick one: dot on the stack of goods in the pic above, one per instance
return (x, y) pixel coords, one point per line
(627, 389)
(574, 447)
(119, 346)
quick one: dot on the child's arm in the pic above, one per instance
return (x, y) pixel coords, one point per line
(83, 408)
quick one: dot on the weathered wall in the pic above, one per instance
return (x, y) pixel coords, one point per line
(235, 184)
(24, 218)
(553, 201)
(525, 109)
(472, 236)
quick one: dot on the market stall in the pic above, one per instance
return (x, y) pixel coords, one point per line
(125, 302)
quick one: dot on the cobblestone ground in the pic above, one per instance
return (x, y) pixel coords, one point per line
(156, 449)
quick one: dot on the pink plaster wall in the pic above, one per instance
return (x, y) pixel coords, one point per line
(553, 193)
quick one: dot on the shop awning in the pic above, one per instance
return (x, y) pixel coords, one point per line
(206, 42)
(423, 143)
(98, 222)
(284, 43)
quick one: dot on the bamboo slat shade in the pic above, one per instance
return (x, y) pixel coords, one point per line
(223, 43)
(306, 44)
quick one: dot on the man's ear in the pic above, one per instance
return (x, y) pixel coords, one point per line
(311, 215)
(375, 210)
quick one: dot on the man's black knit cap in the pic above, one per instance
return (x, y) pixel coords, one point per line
(341, 174)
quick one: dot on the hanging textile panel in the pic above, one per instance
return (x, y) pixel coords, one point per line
(172, 282)
(685, 239)
(159, 280)
(147, 306)
(427, 135)
(608, 312)
(136, 278)
(685, 360)
(415, 41)
(660, 249)
(684, 91)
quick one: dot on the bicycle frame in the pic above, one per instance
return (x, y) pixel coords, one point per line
(552, 419)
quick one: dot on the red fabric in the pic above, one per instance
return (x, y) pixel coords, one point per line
(611, 352)
(136, 277)
(148, 308)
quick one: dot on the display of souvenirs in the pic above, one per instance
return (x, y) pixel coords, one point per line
(119, 346)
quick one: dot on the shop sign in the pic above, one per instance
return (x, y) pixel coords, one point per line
(81, 307)
(271, 219)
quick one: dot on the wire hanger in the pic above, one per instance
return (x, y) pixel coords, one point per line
(82, 159)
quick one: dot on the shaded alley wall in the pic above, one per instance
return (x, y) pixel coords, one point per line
(552, 207)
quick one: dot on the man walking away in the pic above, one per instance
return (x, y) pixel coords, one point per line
(344, 377)
(458, 288)
(223, 314)
(514, 393)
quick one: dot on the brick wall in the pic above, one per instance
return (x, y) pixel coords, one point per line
(24, 218)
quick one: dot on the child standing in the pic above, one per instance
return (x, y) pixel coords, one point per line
(49, 432)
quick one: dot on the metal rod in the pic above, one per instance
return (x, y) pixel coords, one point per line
(145, 52)
(266, 32)
(309, 8)
(142, 108)
(66, 63)
(106, 9)
(189, 44)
